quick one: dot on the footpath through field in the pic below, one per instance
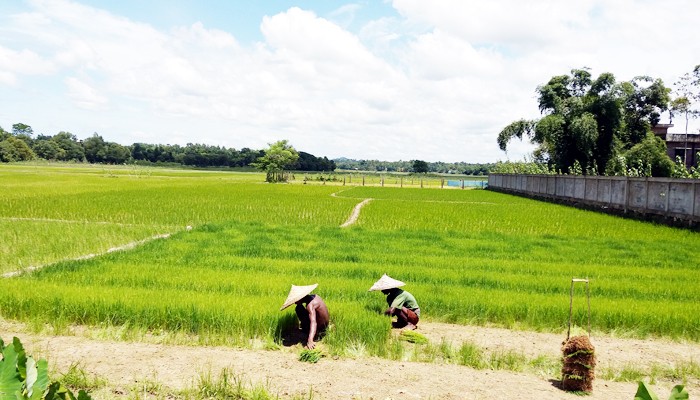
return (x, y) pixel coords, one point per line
(126, 365)
(126, 246)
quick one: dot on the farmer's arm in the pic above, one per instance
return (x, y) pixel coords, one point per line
(311, 308)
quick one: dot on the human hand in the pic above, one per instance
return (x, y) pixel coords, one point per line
(310, 345)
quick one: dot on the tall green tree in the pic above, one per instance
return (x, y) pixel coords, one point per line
(649, 157)
(686, 101)
(420, 166)
(22, 129)
(48, 150)
(278, 157)
(644, 99)
(68, 142)
(13, 149)
(115, 153)
(589, 122)
(94, 148)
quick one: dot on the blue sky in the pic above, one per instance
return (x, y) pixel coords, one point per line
(240, 17)
(387, 80)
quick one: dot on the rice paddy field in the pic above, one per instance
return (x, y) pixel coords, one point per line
(469, 257)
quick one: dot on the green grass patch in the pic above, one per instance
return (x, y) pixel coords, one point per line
(469, 256)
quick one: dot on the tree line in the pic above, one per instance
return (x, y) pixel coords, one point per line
(418, 166)
(598, 126)
(21, 144)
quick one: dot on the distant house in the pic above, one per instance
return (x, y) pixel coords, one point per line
(679, 144)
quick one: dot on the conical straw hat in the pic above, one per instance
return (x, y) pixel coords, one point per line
(297, 293)
(386, 282)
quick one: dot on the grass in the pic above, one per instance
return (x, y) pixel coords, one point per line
(469, 257)
(680, 371)
(227, 385)
(76, 378)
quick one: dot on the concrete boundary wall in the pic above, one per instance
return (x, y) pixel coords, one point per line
(676, 200)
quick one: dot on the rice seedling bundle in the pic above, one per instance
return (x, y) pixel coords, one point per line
(413, 337)
(578, 364)
(310, 355)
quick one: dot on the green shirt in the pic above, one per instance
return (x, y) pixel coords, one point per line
(402, 298)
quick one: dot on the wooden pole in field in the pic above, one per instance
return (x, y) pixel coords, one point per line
(571, 305)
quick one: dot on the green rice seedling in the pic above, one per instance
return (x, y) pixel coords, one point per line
(356, 349)
(471, 355)
(682, 371)
(447, 352)
(507, 360)
(424, 353)
(33, 243)
(494, 259)
(395, 350)
(413, 337)
(230, 385)
(77, 378)
(546, 366)
(226, 385)
(628, 373)
(147, 388)
(310, 355)
(685, 371)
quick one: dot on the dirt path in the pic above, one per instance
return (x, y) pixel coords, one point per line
(127, 364)
(355, 213)
(127, 246)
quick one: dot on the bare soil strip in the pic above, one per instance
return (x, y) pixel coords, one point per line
(127, 246)
(125, 365)
(355, 213)
(67, 221)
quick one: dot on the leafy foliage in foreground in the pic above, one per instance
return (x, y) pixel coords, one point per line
(645, 393)
(23, 378)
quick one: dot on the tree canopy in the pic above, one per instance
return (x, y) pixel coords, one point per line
(278, 157)
(21, 144)
(589, 122)
(420, 166)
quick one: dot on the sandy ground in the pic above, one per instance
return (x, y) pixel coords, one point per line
(124, 365)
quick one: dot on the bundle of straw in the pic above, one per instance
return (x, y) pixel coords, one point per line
(578, 364)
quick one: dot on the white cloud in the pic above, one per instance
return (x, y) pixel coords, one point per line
(439, 55)
(437, 82)
(23, 62)
(513, 22)
(84, 95)
(345, 14)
